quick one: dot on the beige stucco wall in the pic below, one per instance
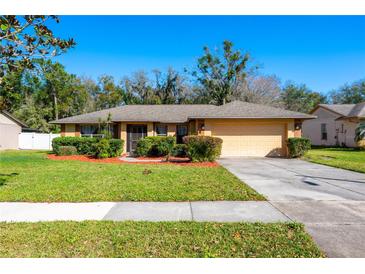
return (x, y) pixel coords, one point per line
(312, 129)
(9, 133)
(70, 130)
(171, 129)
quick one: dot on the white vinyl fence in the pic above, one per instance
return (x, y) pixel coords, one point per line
(32, 140)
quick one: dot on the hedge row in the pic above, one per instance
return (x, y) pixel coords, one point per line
(298, 146)
(100, 148)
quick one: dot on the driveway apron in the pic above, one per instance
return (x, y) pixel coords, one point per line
(329, 201)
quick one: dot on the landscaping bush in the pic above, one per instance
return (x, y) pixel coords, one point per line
(155, 146)
(102, 149)
(164, 145)
(298, 146)
(180, 150)
(87, 146)
(203, 148)
(83, 145)
(144, 146)
(116, 147)
(67, 150)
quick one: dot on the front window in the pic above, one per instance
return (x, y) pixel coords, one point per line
(323, 131)
(96, 130)
(161, 130)
(87, 130)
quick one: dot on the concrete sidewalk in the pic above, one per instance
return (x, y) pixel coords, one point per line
(219, 211)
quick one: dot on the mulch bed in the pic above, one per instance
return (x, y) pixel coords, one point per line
(116, 160)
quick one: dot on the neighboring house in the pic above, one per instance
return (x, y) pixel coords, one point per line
(246, 129)
(10, 128)
(335, 125)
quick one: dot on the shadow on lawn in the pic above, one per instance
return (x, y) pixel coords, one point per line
(5, 177)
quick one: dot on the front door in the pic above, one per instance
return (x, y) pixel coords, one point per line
(181, 131)
(134, 133)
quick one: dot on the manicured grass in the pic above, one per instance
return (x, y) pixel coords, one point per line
(30, 176)
(346, 158)
(148, 239)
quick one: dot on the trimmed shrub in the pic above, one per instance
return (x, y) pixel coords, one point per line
(164, 145)
(144, 146)
(203, 148)
(67, 150)
(116, 147)
(298, 146)
(180, 150)
(86, 146)
(102, 149)
(155, 146)
(83, 145)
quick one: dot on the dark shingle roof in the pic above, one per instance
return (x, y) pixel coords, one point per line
(342, 109)
(145, 113)
(182, 113)
(239, 109)
(347, 110)
(358, 111)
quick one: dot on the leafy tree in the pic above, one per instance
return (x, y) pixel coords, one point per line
(220, 74)
(11, 95)
(138, 89)
(54, 92)
(61, 91)
(33, 115)
(26, 38)
(170, 88)
(91, 88)
(300, 98)
(349, 94)
(108, 94)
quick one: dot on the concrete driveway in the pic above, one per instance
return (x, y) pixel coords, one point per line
(329, 201)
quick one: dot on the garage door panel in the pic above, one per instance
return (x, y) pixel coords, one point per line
(250, 140)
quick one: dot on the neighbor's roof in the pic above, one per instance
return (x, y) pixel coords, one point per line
(182, 113)
(358, 111)
(11, 117)
(346, 110)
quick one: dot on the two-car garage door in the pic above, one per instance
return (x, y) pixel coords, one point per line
(249, 139)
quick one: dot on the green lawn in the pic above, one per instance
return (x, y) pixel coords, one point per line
(148, 239)
(30, 176)
(346, 158)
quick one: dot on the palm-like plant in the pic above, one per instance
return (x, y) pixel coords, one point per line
(360, 132)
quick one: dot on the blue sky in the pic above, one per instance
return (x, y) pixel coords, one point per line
(322, 52)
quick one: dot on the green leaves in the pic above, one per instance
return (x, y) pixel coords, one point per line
(219, 73)
(27, 38)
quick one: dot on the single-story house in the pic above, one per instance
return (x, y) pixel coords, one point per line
(246, 129)
(10, 128)
(335, 125)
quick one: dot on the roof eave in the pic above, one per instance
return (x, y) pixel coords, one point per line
(258, 117)
(11, 117)
(119, 121)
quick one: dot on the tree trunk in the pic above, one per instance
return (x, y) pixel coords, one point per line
(55, 104)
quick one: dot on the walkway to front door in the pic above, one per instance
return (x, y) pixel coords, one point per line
(134, 133)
